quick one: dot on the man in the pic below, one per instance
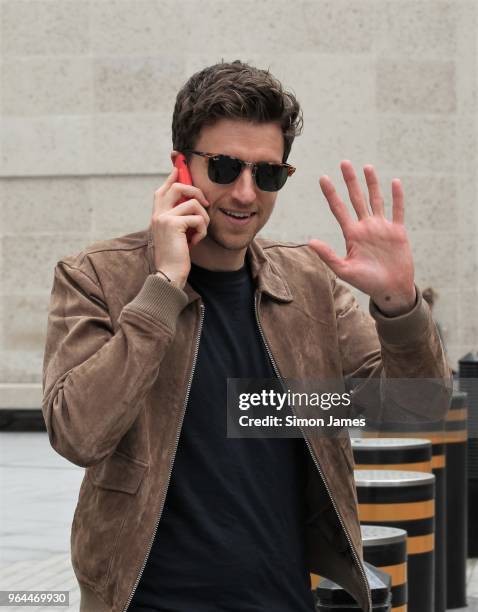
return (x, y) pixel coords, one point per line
(144, 331)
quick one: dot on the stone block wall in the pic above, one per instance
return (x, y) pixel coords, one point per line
(86, 97)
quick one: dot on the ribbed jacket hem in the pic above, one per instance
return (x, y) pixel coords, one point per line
(160, 299)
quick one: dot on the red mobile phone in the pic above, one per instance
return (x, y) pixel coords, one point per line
(184, 176)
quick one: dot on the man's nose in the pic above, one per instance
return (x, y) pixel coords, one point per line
(244, 190)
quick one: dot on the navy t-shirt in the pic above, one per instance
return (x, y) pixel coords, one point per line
(231, 536)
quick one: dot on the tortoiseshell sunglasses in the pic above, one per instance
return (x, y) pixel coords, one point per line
(224, 169)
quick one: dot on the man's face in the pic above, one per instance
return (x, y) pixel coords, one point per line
(250, 142)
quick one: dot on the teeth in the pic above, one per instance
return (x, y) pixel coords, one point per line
(237, 215)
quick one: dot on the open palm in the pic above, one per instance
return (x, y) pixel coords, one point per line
(379, 259)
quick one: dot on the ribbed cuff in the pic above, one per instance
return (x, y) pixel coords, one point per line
(404, 328)
(160, 299)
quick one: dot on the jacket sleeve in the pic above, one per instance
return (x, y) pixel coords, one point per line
(94, 379)
(396, 366)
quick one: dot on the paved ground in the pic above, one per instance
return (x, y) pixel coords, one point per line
(39, 492)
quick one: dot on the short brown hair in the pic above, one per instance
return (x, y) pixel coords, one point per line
(234, 90)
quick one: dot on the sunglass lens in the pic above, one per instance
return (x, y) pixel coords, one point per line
(270, 177)
(223, 169)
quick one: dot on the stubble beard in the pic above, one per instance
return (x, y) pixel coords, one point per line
(237, 245)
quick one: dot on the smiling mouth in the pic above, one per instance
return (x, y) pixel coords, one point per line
(237, 215)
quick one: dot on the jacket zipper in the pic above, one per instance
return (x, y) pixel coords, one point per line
(196, 350)
(316, 462)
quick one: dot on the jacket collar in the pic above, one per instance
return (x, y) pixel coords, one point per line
(266, 275)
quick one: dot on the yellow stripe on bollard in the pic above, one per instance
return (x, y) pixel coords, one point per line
(421, 544)
(425, 466)
(398, 573)
(438, 461)
(409, 511)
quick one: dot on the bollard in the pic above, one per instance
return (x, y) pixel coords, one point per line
(408, 454)
(330, 596)
(468, 381)
(456, 500)
(386, 549)
(435, 433)
(405, 500)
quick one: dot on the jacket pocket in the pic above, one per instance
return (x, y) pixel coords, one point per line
(118, 472)
(106, 503)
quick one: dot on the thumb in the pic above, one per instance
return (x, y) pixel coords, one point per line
(327, 254)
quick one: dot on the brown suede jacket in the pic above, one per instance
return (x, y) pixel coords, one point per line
(119, 359)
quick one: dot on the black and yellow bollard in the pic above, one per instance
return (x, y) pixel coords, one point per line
(331, 596)
(434, 432)
(409, 454)
(468, 382)
(386, 549)
(404, 500)
(456, 499)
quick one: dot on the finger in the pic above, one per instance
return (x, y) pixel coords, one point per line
(355, 192)
(375, 195)
(197, 237)
(190, 207)
(398, 207)
(179, 190)
(196, 222)
(195, 230)
(328, 255)
(338, 208)
(172, 177)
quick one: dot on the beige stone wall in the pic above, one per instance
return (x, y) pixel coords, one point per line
(87, 91)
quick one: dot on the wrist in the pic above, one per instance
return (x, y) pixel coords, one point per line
(171, 278)
(394, 305)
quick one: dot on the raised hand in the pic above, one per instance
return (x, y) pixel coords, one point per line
(379, 259)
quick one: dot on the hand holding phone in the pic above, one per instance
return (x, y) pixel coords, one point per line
(179, 209)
